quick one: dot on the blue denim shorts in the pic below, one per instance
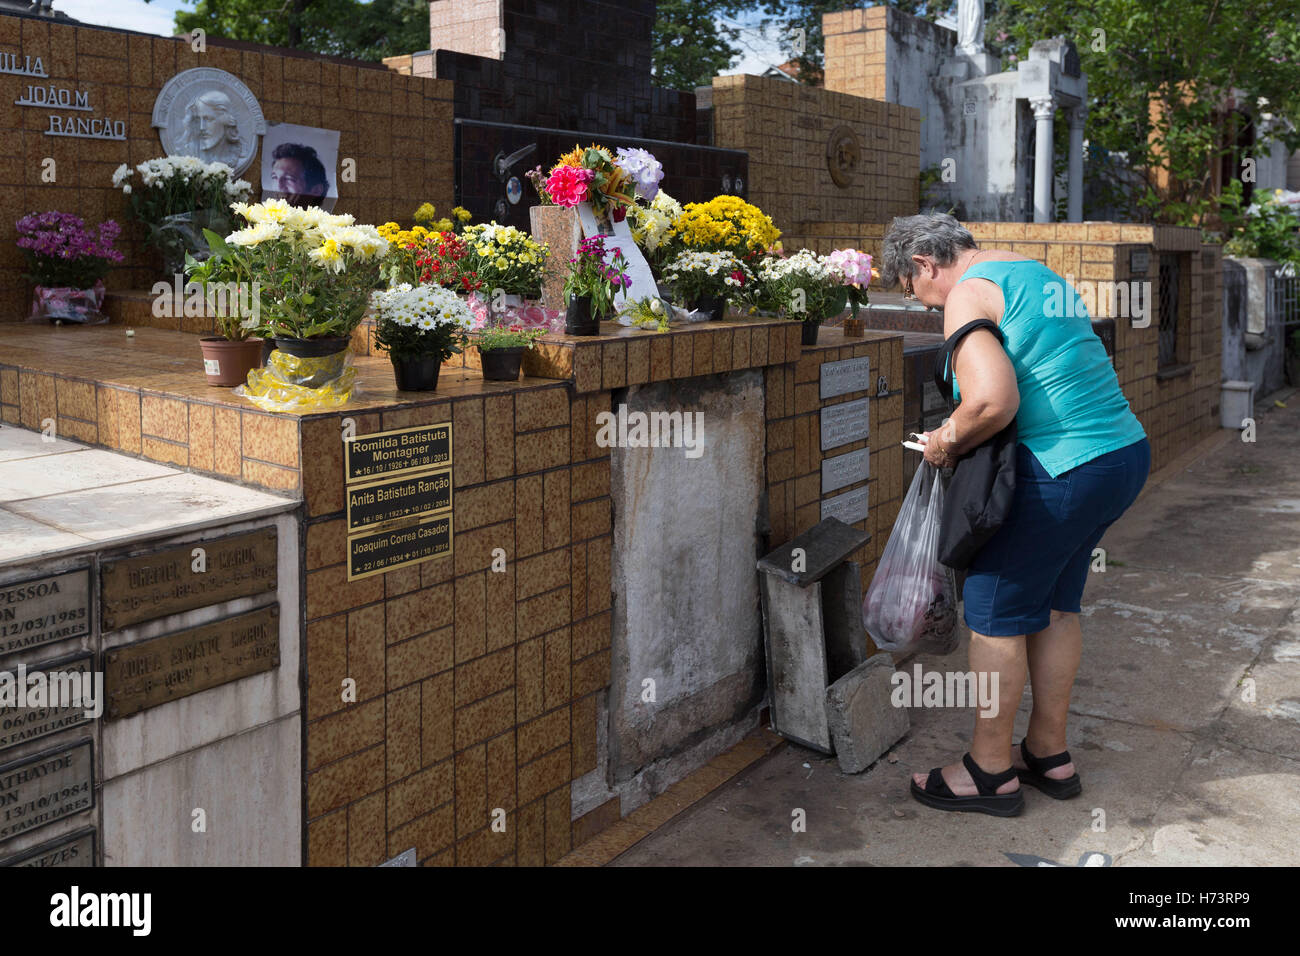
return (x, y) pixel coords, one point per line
(1038, 561)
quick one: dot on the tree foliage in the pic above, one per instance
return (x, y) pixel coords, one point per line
(1170, 83)
(691, 43)
(364, 31)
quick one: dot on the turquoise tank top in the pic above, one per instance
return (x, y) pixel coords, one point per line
(1071, 406)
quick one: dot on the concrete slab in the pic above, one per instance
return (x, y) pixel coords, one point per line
(42, 475)
(58, 497)
(18, 443)
(21, 537)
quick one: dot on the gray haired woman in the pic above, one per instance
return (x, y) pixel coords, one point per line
(1082, 459)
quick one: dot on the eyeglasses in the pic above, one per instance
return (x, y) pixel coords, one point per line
(907, 289)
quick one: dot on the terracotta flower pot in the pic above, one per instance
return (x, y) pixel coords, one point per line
(417, 374)
(228, 363)
(502, 365)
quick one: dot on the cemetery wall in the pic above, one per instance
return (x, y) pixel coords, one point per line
(795, 134)
(397, 128)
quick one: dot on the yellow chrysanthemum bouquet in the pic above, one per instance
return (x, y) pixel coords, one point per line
(725, 224)
(505, 258)
(315, 271)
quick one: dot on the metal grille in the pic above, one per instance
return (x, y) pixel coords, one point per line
(1168, 354)
(1284, 296)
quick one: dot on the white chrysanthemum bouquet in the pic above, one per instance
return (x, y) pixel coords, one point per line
(315, 271)
(422, 321)
(176, 198)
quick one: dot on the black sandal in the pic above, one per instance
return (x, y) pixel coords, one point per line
(939, 795)
(1035, 774)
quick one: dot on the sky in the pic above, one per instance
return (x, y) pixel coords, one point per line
(153, 17)
(759, 49)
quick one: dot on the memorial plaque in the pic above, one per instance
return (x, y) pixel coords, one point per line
(395, 548)
(849, 375)
(165, 582)
(20, 724)
(848, 422)
(404, 451)
(371, 506)
(1139, 261)
(405, 858)
(39, 790)
(75, 850)
(848, 507)
(44, 610)
(846, 469)
(148, 673)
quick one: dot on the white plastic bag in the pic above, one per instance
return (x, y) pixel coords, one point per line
(912, 602)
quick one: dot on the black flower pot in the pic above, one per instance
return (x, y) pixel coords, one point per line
(809, 331)
(502, 365)
(579, 320)
(268, 346)
(313, 348)
(715, 305)
(416, 375)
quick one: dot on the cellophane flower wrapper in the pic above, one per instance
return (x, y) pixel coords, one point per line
(531, 315)
(293, 384)
(64, 304)
(911, 605)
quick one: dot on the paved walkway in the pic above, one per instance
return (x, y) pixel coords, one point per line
(1201, 597)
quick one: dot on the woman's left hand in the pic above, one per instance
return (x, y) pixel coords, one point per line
(932, 453)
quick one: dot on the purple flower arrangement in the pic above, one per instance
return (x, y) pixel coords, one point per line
(63, 252)
(590, 276)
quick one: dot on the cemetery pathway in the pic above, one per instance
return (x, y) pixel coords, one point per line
(1199, 604)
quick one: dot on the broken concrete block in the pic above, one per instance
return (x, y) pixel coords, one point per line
(812, 626)
(863, 722)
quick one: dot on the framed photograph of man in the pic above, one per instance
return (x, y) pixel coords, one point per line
(300, 165)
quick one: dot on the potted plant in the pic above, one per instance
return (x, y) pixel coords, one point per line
(66, 262)
(509, 264)
(420, 327)
(235, 306)
(591, 285)
(854, 268)
(807, 287)
(316, 270)
(501, 350)
(703, 280)
(406, 246)
(724, 223)
(177, 198)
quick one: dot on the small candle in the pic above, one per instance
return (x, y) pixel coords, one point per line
(130, 333)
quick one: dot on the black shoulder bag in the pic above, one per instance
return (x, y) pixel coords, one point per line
(978, 497)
